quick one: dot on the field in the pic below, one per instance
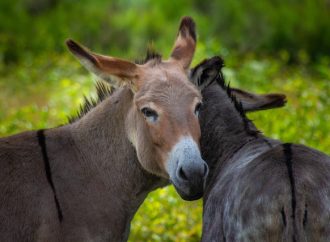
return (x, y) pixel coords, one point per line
(41, 84)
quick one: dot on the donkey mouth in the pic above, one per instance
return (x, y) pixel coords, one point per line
(191, 196)
(189, 189)
(190, 186)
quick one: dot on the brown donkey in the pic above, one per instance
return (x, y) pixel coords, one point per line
(258, 189)
(84, 181)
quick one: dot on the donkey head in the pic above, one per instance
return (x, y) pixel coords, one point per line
(208, 70)
(162, 123)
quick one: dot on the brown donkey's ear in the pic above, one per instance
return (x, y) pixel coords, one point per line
(253, 102)
(185, 43)
(113, 70)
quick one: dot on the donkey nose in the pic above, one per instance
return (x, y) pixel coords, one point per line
(192, 173)
(187, 170)
(182, 174)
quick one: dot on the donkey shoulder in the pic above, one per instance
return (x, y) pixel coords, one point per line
(22, 166)
(24, 185)
(19, 150)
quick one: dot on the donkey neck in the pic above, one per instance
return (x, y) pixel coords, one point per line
(113, 184)
(225, 130)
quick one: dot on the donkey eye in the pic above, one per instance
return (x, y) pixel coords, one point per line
(150, 114)
(198, 108)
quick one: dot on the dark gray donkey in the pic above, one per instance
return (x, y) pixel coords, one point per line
(258, 189)
(85, 180)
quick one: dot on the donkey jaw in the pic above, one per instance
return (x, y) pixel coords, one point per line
(187, 170)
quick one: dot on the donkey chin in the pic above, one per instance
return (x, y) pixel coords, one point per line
(187, 170)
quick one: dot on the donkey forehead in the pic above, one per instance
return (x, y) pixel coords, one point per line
(168, 91)
(163, 71)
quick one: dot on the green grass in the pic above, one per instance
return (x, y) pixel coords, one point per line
(42, 92)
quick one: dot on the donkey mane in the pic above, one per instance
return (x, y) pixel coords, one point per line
(220, 80)
(104, 90)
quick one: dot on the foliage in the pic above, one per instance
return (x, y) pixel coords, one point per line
(31, 27)
(41, 84)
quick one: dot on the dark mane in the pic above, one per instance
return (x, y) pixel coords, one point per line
(104, 90)
(249, 127)
(151, 55)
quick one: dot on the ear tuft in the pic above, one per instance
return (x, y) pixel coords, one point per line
(79, 51)
(187, 26)
(279, 100)
(216, 62)
(205, 73)
(115, 71)
(185, 43)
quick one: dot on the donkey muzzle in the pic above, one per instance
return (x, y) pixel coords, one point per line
(187, 170)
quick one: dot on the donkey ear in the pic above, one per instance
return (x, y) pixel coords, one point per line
(113, 70)
(253, 102)
(205, 72)
(185, 43)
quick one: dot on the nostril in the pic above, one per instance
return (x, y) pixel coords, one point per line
(182, 174)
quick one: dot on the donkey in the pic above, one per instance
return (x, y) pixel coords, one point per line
(258, 189)
(85, 180)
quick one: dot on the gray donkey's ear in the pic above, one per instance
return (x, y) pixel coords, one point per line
(206, 71)
(254, 102)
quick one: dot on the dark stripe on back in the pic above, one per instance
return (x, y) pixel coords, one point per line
(42, 143)
(288, 161)
(283, 217)
(305, 216)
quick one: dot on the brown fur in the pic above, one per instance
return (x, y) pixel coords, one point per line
(160, 85)
(175, 122)
(84, 181)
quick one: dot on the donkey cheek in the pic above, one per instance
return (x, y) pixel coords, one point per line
(195, 131)
(162, 160)
(151, 160)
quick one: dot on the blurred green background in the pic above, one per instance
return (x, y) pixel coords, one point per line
(281, 46)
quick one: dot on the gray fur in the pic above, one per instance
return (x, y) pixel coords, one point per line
(259, 189)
